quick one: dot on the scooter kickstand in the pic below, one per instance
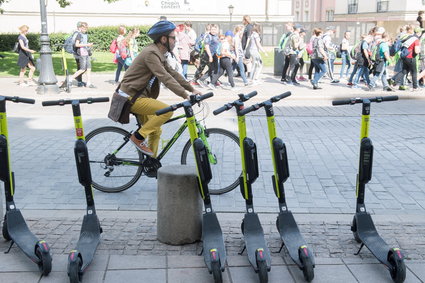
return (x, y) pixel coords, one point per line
(202, 251)
(281, 247)
(361, 246)
(10, 247)
(243, 249)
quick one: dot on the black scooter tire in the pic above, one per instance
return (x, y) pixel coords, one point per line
(45, 264)
(263, 274)
(74, 271)
(307, 268)
(354, 229)
(216, 271)
(398, 270)
(5, 231)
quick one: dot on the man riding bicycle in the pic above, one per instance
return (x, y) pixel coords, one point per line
(143, 79)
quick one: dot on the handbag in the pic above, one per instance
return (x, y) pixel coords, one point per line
(119, 110)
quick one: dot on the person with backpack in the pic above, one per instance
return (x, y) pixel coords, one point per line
(408, 52)
(382, 57)
(331, 49)
(121, 52)
(354, 54)
(363, 63)
(293, 50)
(141, 84)
(207, 56)
(226, 56)
(254, 45)
(25, 59)
(82, 53)
(246, 21)
(345, 56)
(283, 43)
(239, 52)
(319, 58)
(310, 50)
(421, 75)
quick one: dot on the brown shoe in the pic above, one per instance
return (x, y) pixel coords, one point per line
(141, 145)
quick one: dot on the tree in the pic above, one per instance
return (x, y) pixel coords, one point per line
(62, 3)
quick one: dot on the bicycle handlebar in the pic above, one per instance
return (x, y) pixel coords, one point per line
(228, 106)
(18, 99)
(353, 101)
(62, 102)
(257, 106)
(193, 99)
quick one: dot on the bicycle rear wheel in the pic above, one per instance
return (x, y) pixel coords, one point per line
(226, 172)
(113, 159)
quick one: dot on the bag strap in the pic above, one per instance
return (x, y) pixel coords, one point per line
(133, 99)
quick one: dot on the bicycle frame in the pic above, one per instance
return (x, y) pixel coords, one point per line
(200, 133)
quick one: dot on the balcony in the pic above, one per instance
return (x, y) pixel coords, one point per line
(382, 6)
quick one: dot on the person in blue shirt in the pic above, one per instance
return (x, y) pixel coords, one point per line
(381, 58)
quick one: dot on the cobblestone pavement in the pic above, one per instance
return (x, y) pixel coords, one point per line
(322, 143)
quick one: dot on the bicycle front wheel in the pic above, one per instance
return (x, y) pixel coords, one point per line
(224, 146)
(114, 160)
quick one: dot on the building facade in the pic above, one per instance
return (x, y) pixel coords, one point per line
(378, 10)
(313, 10)
(140, 12)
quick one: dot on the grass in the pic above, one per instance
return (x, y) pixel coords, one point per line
(102, 63)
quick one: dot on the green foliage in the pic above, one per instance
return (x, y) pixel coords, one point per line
(100, 36)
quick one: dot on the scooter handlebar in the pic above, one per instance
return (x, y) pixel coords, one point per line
(18, 99)
(251, 94)
(251, 108)
(280, 96)
(62, 102)
(223, 108)
(361, 100)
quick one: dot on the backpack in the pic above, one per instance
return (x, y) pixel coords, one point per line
(16, 47)
(355, 51)
(69, 43)
(113, 47)
(316, 52)
(199, 43)
(375, 53)
(309, 48)
(404, 50)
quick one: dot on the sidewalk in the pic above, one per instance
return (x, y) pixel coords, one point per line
(322, 144)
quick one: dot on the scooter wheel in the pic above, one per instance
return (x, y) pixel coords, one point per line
(216, 271)
(5, 231)
(307, 268)
(398, 270)
(74, 271)
(262, 271)
(45, 264)
(354, 229)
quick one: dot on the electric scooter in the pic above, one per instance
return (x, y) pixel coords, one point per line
(363, 228)
(255, 244)
(285, 223)
(14, 227)
(212, 237)
(67, 84)
(81, 257)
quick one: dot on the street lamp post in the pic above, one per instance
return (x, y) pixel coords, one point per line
(231, 11)
(47, 79)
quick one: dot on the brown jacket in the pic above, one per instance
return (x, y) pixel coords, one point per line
(151, 62)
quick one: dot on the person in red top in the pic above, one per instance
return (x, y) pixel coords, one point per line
(409, 62)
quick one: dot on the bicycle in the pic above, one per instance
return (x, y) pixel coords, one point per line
(117, 165)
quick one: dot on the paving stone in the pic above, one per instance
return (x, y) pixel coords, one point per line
(247, 274)
(19, 277)
(194, 275)
(377, 273)
(134, 276)
(136, 262)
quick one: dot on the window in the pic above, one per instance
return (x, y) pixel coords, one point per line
(297, 16)
(306, 19)
(329, 15)
(382, 6)
(353, 6)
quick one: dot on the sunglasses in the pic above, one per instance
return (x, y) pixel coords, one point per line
(172, 37)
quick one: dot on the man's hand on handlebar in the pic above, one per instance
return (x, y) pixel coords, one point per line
(196, 91)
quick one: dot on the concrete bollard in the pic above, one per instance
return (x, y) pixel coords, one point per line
(179, 214)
